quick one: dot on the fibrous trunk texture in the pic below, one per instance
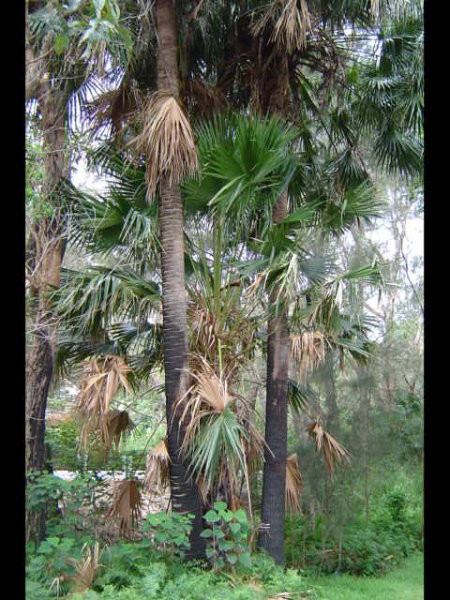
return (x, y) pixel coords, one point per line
(271, 537)
(184, 493)
(45, 251)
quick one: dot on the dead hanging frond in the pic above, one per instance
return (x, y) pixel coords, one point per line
(100, 385)
(167, 141)
(204, 325)
(127, 504)
(332, 451)
(115, 107)
(205, 98)
(289, 21)
(208, 390)
(118, 425)
(203, 488)
(308, 349)
(294, 485)
(157, 469)
(87, 567)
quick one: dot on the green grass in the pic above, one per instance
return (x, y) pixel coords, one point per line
(402, 583)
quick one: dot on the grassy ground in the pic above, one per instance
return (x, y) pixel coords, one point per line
(403, 583)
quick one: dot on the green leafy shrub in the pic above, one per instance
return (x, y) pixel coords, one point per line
(71, 505)
(169, 532)
(227, 534)
(63, 440)
(125, 564)
(51, 564)
(36, 591)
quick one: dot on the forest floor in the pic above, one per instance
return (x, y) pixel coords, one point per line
(402, 583)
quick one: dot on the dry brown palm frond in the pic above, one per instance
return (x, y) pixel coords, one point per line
(294, 485)
(374, 7)
(115, 106)
(86, 568)
(289, 22)
(332, 451)
(308, 349)
(207, 98)
(203, 488)
(127, 504)
(208, 395)
(167, 141)
(157, 469)
(118, 424)
(204, 324)
(102, 381)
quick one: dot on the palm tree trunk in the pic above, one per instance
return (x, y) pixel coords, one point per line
(273, 511)
(271, 537)
(184, 493)
(45, 255)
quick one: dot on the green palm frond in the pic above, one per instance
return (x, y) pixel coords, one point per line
(398, 152)
(219, 436)
(89, 301)
(357, 203)
(245, 165)
(300, 395)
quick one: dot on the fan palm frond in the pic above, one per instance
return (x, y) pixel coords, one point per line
(102, 381)
(126, 506)
(86, 568)
(289, 21)
(294, 485)
(332, 451)
(157, 468)
(308, 350)
(118, 425)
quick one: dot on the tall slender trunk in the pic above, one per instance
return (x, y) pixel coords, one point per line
(45, 251)
(184, 493)
(364, 381)
(274, 99)
(333, 424)
(271, 537)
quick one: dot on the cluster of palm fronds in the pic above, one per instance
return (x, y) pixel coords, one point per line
(220, 436)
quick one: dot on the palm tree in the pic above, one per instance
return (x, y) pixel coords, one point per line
(184, 493)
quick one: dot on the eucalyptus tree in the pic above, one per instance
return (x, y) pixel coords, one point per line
(62, 43)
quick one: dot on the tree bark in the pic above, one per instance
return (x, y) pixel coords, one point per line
(44, 259)
(185, 496)
(271, 537)
(274, 99)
